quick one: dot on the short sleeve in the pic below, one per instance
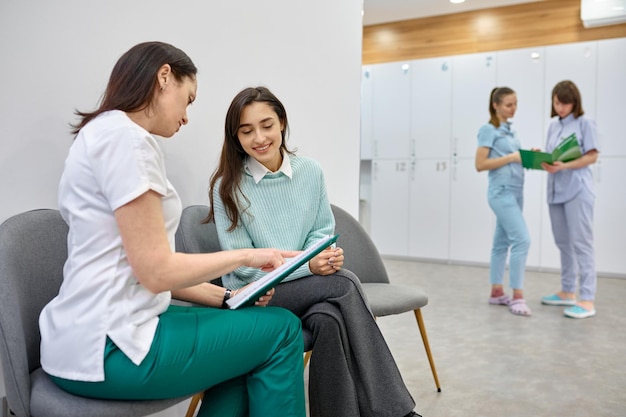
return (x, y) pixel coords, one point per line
(126, 161)
(486, 136)
(589, 135)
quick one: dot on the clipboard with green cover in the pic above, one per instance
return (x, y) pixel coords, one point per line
(251, 293)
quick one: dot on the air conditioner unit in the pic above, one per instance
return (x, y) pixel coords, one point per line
(602, 12)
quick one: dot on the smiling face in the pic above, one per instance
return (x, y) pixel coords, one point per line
(561, 109)
(260, 134)
(507, 107)
(170, 104)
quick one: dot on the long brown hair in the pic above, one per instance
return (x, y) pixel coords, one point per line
(567, 93)
(496, 96)
(133, 79)
(230, 168)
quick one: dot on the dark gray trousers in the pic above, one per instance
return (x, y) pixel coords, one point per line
(352, 372)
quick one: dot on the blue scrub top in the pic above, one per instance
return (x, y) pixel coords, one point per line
(564, 185)
(502, 141)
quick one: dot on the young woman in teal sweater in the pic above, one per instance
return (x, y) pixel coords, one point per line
(263, 195)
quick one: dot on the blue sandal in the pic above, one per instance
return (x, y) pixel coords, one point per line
(555, 300)
(578, 312)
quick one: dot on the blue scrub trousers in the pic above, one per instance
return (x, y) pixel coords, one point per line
(511, 232)
(248, 361)
(572, 227)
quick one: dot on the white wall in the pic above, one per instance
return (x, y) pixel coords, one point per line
(56, 56)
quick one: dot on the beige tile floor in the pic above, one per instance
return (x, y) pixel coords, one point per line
(494, 364)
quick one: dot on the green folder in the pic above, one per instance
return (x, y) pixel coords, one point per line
(567, 150)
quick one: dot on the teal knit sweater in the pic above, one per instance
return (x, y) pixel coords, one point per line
(284, 213)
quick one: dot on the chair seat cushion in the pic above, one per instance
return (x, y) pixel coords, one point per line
(387, 299)
(48, 400)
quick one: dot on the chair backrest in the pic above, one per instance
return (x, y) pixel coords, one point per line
(361, 255)
(194, 237)
(33, 250)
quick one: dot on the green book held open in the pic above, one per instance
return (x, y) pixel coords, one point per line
(568, 150)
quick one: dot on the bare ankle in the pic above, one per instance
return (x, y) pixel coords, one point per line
(497, 291)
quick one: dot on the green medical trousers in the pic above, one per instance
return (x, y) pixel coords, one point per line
(248, 362)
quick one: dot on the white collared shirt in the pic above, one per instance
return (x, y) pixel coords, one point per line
(258, 170)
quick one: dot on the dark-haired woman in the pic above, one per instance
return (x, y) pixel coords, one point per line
(111, 332)
(570, 200)
(498, 153)
(263, 194)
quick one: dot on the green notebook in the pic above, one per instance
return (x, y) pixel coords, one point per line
(567, 150)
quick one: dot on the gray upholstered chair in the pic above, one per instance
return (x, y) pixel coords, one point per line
(192, 235)
(362, 258)
(33, 249)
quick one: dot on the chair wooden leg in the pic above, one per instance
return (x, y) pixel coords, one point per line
(194, 404)
(422, 328)
(307, 357)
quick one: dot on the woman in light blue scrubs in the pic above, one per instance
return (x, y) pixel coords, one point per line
(570, 200)
(498, 153)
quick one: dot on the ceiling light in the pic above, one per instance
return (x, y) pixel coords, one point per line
(457, 1)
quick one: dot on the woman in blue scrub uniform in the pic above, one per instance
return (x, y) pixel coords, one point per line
(498, 153)
(570, 199)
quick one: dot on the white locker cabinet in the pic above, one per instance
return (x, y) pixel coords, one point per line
(366, 113)
(431, 105)
(523, 70)
(534, 210)
(609, 210)
(429, 217)
(611, 95)
(391, 110)
(471, 219)
(610, 170)
(473, 78)
(576, 62)
(390, 206)
(431, 116)
(550, 257)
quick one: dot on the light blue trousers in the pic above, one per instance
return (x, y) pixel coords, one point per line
(511, 233)
(248, 361)
(572, 227)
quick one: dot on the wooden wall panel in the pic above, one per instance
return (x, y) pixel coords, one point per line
(546, 22)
